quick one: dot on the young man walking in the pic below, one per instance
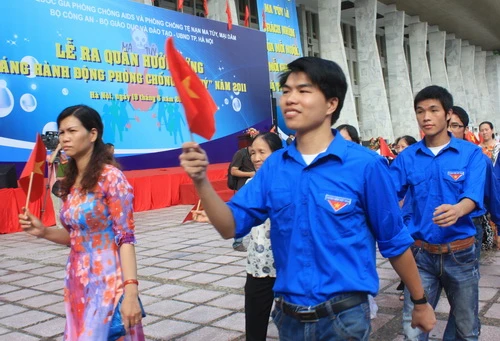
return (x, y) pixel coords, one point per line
(445, 177)
(323, 196)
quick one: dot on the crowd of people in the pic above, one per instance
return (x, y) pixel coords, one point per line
(316, 209)
(329, 200)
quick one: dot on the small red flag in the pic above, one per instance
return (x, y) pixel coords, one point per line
(264, 20)
(35, 165)
(205, 8)
(229, 17)
(198, 104)
(180, 4)
(469, 136)
(247, 16)
(384, 148)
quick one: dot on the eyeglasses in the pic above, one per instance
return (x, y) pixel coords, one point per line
(456, 126)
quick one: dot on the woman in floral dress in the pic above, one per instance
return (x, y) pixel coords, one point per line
(98, 225)
(261, 273)
(490, 146)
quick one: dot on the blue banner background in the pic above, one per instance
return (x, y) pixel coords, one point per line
(282, 13)
(32, 28)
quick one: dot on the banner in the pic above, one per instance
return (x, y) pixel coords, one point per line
(278, 18)
(110, 55)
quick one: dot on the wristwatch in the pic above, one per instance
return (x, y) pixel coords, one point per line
(422, 300)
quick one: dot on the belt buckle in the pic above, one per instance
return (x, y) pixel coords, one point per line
(307, 315)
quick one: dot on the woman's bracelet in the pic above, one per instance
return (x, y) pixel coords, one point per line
(130, 281)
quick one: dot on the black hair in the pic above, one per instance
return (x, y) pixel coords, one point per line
(273, 141)
(90, 119)
(408, 139)
(110, 144)
(325, 74)
(488, 123)
(462, 114)
(435, 92)
(351, 131)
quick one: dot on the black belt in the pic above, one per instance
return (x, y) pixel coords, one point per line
(311, 314)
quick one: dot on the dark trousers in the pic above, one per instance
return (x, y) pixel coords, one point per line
(259, 299)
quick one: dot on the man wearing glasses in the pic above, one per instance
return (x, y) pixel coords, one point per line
(457, 125)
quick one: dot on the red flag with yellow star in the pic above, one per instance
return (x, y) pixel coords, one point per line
(247, 16)
(35, 165)
(198, 104)
(229, 17)
(469, 136)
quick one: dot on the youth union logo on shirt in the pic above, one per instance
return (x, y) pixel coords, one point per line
(456, 175)
(337, 203)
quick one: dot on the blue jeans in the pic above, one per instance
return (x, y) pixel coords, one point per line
(449, 333)
(350, 324)
(457, 273)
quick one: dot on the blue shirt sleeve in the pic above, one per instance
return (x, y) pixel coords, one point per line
(383, 212)
(249, 203)
(398, 176)
(492, 194)
(475, 181)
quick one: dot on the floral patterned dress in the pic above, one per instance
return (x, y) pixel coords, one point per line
(98, 223)
(260, 260)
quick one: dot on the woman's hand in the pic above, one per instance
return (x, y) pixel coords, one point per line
(194, 160)
(130, 309)
(31, 224)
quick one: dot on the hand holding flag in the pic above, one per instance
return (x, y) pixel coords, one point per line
(198, 104)
(31, 224)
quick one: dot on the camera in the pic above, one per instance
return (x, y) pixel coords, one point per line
(50, 140)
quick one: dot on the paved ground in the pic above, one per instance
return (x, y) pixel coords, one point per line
(191, 284)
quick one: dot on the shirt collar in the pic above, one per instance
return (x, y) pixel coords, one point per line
(337, 148)
(453, 144)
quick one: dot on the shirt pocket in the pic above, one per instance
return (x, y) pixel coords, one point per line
(282, 208)
(454, 181)
(337, 214)
(417, 180)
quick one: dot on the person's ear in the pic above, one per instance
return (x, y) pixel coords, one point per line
(333, 103)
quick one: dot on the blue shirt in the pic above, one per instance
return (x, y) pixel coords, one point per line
(491, 193)
(458, 171)
(325, 219)
(489, 190)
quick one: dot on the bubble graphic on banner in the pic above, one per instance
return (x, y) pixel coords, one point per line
(6, 99)
(31, 61)
(33, 86)
(51, 126)
(226, 101)
(65, 91)
(236, 92)
(28, 102)
(236, 104)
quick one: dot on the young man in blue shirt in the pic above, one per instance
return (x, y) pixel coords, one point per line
(329, 200)
(445, 177)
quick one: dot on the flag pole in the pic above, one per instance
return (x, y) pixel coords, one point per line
(29, 190)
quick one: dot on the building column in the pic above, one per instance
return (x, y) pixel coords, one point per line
(400, 94)
(482, 86)
(332, 48)
(453, 57)
(301, 14)
(437, 42)
(217, 10)
(145, 2)
(420, 74)
(375, 118)
(493, 80)
(471, 93)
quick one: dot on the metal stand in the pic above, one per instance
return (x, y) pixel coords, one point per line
(47, 189)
